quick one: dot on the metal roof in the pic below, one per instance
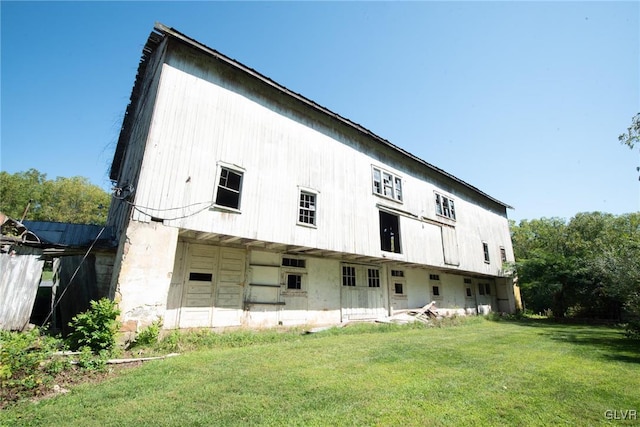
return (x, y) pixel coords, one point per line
(70, 235)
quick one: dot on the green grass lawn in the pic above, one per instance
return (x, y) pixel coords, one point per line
(478, 373)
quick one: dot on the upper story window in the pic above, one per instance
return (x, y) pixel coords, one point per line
(503, 254)
(387, 184)
(485, 249)
(390, 233)
(307, 208)
(229, 187)
(445, 207)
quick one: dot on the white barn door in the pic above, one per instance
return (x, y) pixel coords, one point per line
(213, 287)
(362, 295)
(201, 266)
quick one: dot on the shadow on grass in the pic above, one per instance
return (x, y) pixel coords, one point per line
(609, 339)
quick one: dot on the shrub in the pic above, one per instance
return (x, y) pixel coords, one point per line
(149, 335)
(96, 328)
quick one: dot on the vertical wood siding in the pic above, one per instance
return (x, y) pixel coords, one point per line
(201, 119)
(19, 280)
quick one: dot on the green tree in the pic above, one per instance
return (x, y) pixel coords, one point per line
(632, 136)
(72, 199)
(587, 267)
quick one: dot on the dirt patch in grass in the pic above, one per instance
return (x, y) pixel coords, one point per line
(63, 382)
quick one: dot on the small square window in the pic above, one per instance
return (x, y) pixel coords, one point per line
(229, 188)
(398, 288)
(294, 281)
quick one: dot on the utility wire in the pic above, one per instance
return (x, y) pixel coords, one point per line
(55, 305)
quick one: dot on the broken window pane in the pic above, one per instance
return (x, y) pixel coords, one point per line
(229, 188)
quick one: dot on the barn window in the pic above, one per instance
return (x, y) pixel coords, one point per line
(200, 277)
(445, 206)
(398, 288)
(373, 277)
(229, 188)
(294, 281)
(397, 273)
(389, 232)
(436, 291)
(294, 262)
(434, 277)
(307, 208)
(387, 184)
(485, 248)
(503, 254)
(487, 288)
(348, 275)
(468, 290)
(481, 288)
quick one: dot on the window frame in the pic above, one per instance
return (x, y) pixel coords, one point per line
(361, 276)
(312, 211)
(485, 250)
(395, 239)
(293, 262)
(373, 277)
(237, 170)
(298, 283)
(384, 181)
(445, 206)
(349, 277)
(503, 254)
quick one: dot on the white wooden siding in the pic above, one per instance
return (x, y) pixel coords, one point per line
(197, 123)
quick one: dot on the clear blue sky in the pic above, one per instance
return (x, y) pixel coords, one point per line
(522, 100)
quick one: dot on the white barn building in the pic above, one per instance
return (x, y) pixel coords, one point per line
(241, 203)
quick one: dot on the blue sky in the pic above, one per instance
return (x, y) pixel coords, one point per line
(524, 100)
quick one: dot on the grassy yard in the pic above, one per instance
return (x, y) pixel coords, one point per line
(478, 373)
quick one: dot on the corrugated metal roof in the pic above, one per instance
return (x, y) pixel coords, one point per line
(71, 235)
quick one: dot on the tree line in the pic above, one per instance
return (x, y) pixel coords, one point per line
(73, 199)
(587, 267)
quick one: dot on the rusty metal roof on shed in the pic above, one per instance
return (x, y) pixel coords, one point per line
(161, 31)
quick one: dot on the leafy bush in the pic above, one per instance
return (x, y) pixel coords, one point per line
(96, 328)
(27, 362)
(149, 335)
